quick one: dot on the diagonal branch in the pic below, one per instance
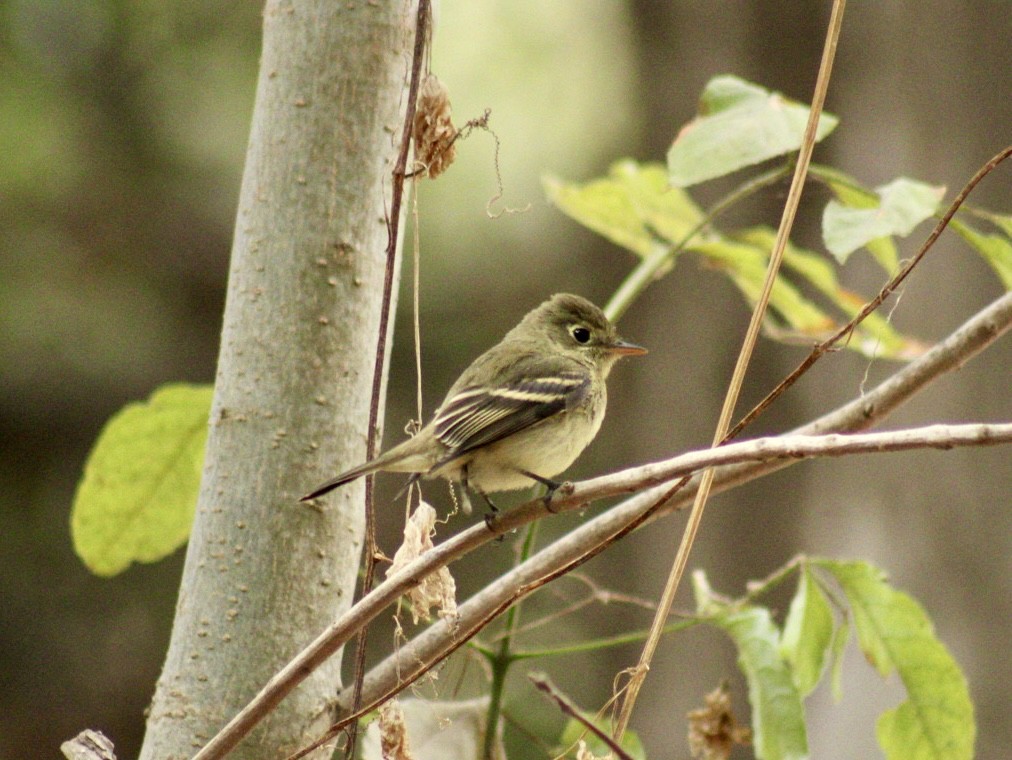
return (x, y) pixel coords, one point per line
(639, 673)
(440, 639)
(413, 660)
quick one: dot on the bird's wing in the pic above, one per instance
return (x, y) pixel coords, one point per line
(477, 416)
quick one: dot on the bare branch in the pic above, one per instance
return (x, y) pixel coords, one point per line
(541, 682)
(440, 639)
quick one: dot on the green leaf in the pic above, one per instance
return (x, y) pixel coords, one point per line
(874, 336)
(746, 265)
(739, 124)
(666, 210)
(936, 721)
(851, 193)
(603, 206)
(902, 205)
(136, 500)
(840, 638)
(996, 249)
(808, 632)
(633, 206)
(1002, 222)
(778, 717)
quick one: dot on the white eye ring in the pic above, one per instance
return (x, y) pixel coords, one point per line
(580, 334)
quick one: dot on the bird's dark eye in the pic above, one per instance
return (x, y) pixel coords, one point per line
(580, 334)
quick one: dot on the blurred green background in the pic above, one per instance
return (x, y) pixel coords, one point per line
(122, 132)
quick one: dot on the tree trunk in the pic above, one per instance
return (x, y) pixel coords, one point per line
(265, 574)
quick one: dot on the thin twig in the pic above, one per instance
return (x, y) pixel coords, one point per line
(570, 551)
(372, 445)
(541, 682)
(639, 673)
(877, 301)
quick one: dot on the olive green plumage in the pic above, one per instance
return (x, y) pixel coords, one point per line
(523, 411)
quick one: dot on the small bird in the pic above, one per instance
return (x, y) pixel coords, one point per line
(522, 412)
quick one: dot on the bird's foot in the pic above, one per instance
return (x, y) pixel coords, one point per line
(563, 489)
(551, 488)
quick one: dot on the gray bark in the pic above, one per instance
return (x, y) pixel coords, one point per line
(265, 574)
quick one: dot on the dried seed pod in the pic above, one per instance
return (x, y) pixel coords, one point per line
(436, 590)
(434, 132)
(713, 730)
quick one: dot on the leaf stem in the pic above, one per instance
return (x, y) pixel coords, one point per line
(501, 660)
(778, 576)
(601, 643)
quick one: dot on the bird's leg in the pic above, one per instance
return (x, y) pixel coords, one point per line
(467, 486)
(551, 485)
(465, 498)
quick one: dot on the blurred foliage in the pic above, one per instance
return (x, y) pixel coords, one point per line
(783, 664)
(123, 126)
(136, 500)
(139, 457)
(740, 124)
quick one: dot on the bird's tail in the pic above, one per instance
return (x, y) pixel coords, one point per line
(344, 477)
(410, 456)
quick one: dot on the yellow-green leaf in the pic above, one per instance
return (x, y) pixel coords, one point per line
(808, 632)
(1002, 222)
(633, 206)
(936, 721)
(746, 264)
(136, 500)
(778, 716)
(850, 192)
(739, 124)
(996, 249)
(664, 209)
(840, 638)
(874, 336)
(604, 206)
(902, 205)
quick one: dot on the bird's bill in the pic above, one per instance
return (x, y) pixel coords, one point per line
(625, 348)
